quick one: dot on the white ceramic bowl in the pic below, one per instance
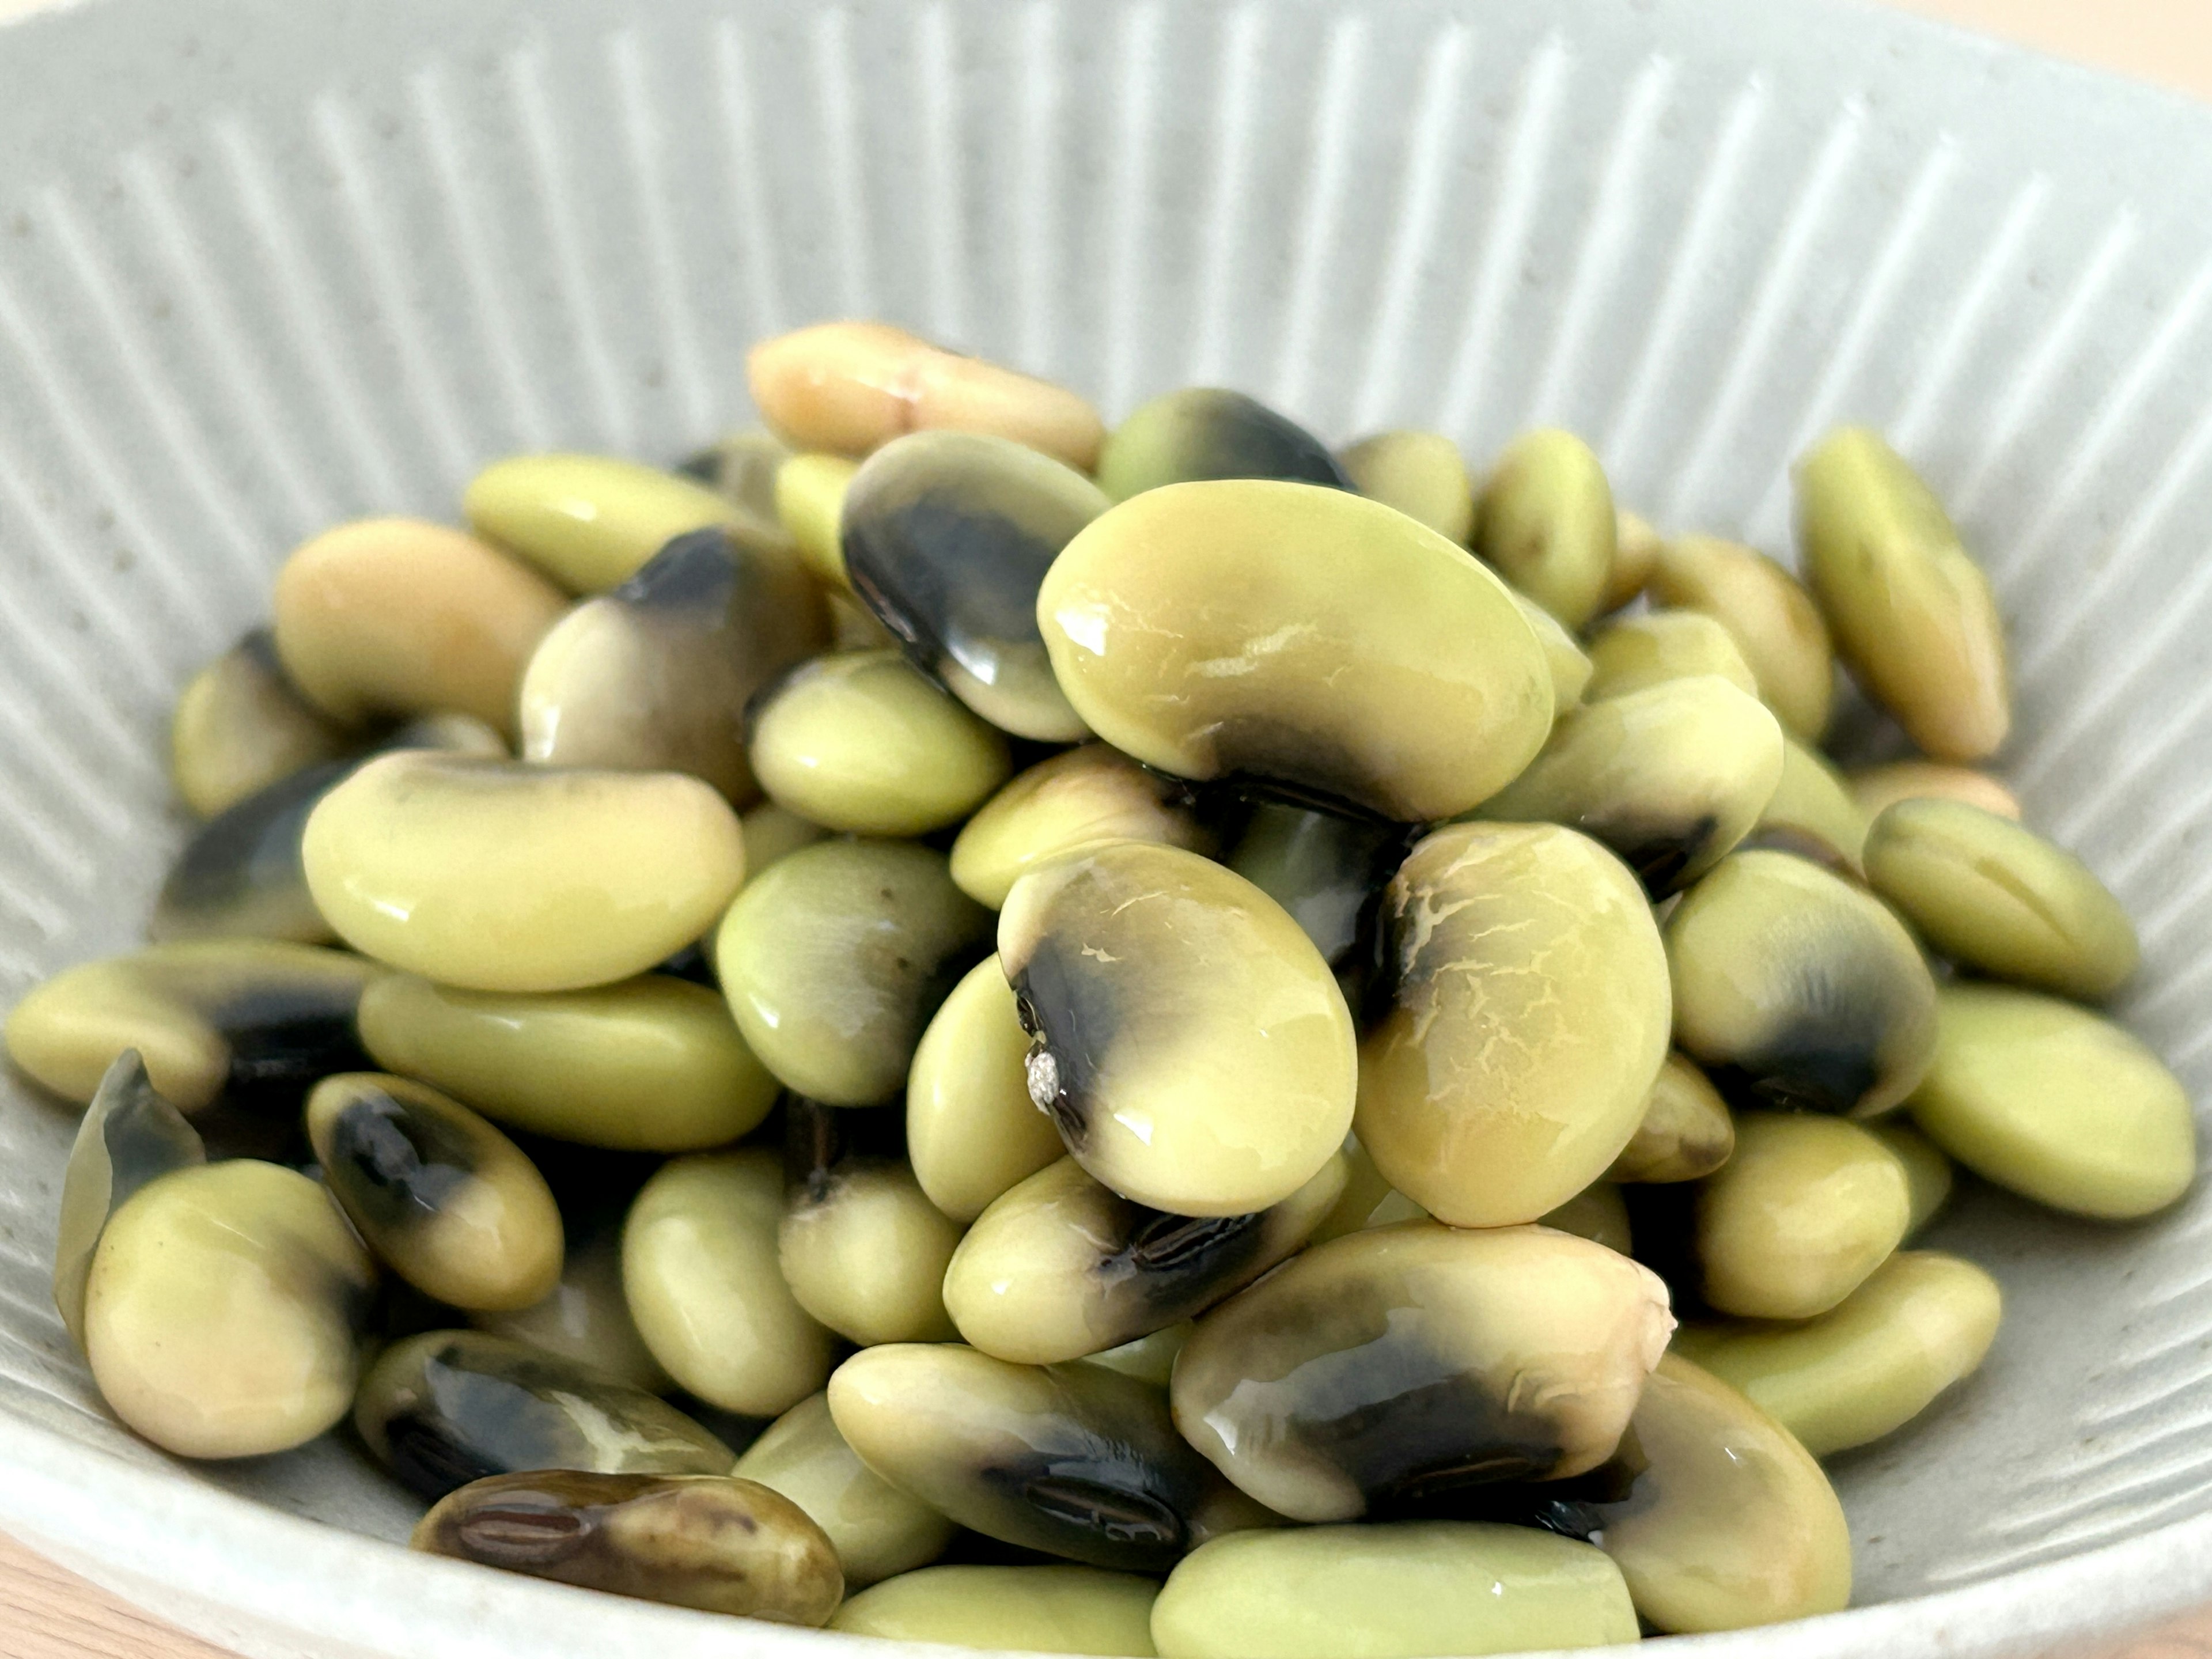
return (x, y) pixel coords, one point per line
(266, 266)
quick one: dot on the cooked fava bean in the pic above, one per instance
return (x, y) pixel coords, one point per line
(396, 617)
(2052, 1102)
(1635, 555)
(1597, 1212)
(1686, 1131)
(1912, 613)
(1812, 813)
(446, 1202)
(1729, 1522)
(1921, 1322)
(1878, 788)
(853, 626)
(834, 961)
(701, 1541)
(653, 1064)
(1546, 520)
(1421, 474)
(864, 742)
(1776, 626)
(584, 1319)
(447, 1407)
(810, 502)
(1991, 893)
(877, 1530)
(699, 1267)
(1061, 1268)
(1077, 1460)
(1799, 989)
(1203, 433)
(1396, 1365)
(1302, 637)
(741, 469)
(853, 387)
(1486, 1095)
(1670, 777)
(244, 872)
(1325, 870)
(1010, 1609)
(1083, 795)
(129, 1138)
(239, 726)
(771, 831)
(1927, 1171)
(1641, 650)
(250, 1024)
(1411, 1590)
(500, 876)
(1368, 1200)
(589, 521)
(654, 675)
(1149, 1358)
(1794, 1222)
(223, 1312)
(1190, 1042)
(947, 536)
(972, 1131)
(1569, 667)
(864, 1252)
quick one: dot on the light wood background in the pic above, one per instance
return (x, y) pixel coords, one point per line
(47, 1614)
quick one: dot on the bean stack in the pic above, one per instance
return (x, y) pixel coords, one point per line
(978, 1030)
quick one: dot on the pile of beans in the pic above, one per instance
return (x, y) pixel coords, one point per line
(1160, 1024)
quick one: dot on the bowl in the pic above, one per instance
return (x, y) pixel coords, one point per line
(265, 267)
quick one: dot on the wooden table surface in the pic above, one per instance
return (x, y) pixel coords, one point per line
(48, 1614)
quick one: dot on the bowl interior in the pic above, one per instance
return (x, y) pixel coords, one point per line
(264, 268)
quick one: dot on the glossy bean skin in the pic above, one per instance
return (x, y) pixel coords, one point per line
(1811, 814)
(1774, 622)
(1994, 895)
(1671, 777)
(1410, 1589)
(1546, 520)
(1644, 650)
(1921, 1322)
(1914, 617)
(853, 387)
(1729, 1522)
(810, 503)
(1085, 794)
(1301, 638)
(1686, 1131)
(1326, 869)
(707, 1541)
(1796, 988)
(239, 726)
(129, 1138)
(1189, 1039)
(396, 617)
(972, 1131)
(863, 742)
(1077, 1460)
(446, 1407)
(1061, 1609)
(701, 1271)
(741, 469)
(584, 1319)
(590, 523)
(1807, 1208)
(1149, 1358)
(652, 1064)
(224, 1309)
(445, 1201)
(947, 537)
(1421, 474)
(1202, 434)
(878, 1531)
(1928, 1173)
(1877, 788)
(2055, 1103)
(500, 876)
(1482, 1097)
(1061, 1268)
(864, 1252)
(654, 675)
(1399, 1364)
(1635, 555)
(834, 961)
(1569, 669)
